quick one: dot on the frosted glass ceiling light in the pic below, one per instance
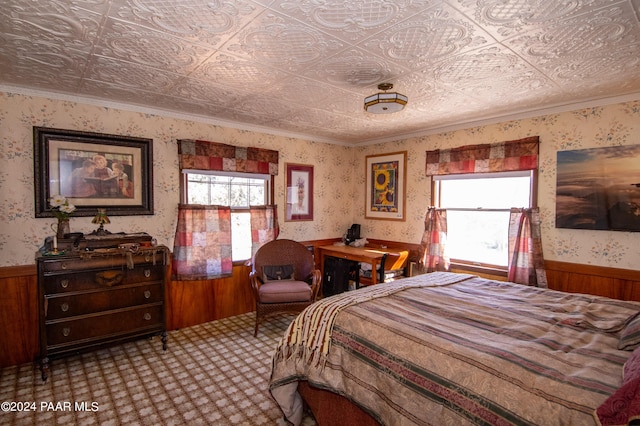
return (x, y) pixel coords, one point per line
(385, 102)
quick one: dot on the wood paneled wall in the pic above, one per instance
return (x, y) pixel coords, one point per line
(609, 282)
(194, 302)
(18, 315)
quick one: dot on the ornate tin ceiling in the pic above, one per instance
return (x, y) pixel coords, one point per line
(304, 67)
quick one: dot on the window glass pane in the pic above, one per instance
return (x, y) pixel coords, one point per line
(478, 213)
(236, 190)
(478, 236)
(239, 194)
(257, 193)
(219, 192)
(240, 236)
(489, 193)
(198, 192)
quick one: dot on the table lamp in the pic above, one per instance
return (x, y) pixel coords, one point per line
(101, 218)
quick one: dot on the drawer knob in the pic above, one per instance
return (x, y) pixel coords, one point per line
(66, 331)
(147, 273)
(63, 265)
(64, 283)
(64, 307)
(147, 294)
(147, 316)
(147, 257)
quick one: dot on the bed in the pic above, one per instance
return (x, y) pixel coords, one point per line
(444, 348)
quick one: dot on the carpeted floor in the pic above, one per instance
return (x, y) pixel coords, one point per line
(211, 374)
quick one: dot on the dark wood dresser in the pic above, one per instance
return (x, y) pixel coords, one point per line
(89, 299)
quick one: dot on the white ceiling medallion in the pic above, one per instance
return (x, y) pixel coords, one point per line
(385, 102)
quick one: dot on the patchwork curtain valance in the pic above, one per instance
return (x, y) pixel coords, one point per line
(205, 155)
(521, 154)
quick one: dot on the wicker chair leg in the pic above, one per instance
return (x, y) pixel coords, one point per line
(255, 332)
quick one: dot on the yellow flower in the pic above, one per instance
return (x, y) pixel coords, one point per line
(381, 179)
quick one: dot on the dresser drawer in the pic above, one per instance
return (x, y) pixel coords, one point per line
(115, 260)
(102, 279)
(66, 305)
(106, 326)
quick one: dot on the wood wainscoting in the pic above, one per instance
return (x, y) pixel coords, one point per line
(194, 302)
(188, 303)
(18, 315)
(616, 283)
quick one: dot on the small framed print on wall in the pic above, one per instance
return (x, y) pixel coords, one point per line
(386, 176)
(299, 192)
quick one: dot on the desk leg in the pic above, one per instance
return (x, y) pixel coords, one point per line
(374, 271)
(321, 274)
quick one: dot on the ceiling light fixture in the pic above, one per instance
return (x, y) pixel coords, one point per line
(385, 102)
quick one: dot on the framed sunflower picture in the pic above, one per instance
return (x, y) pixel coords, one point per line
(385, 186)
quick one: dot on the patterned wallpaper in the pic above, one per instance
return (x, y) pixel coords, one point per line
(339, 174)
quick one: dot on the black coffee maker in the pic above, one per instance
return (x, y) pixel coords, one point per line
(352, 234)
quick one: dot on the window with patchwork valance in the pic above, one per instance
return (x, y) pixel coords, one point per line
(205, 240)
(474, 189)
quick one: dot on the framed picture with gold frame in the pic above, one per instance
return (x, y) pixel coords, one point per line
(299, 192)
(386, 177)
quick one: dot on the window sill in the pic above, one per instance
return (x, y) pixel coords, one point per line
(482, 270)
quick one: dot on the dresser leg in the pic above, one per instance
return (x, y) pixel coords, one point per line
(44, 368)
(165, 338)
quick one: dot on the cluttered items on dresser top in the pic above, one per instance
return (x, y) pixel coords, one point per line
(77, 241)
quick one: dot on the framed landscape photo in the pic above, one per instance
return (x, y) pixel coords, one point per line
(299, 202)
(93, 170)
(599, 188)
(386, 177)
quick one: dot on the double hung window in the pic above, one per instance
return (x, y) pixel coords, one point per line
(478, 208)
(236, 190)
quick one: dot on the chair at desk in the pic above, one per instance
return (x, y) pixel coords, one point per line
(392, 267)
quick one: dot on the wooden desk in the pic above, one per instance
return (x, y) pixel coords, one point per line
(358, 254)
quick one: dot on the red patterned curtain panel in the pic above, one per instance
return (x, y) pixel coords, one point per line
(433, 256)
(202, 245)
(204, 155)
(264, 226)
(520, 154)
(526, 263)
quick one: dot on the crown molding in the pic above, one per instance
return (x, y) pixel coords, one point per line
(488, 120)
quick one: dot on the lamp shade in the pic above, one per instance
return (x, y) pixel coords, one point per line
(385, 102)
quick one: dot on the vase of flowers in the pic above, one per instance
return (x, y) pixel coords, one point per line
(62, 210)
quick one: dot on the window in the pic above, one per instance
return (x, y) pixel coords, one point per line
(236, 190)
(478, 213)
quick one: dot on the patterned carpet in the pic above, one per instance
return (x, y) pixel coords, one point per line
(211, 374)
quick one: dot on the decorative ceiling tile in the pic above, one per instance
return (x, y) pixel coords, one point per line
(579, 38)
(352, 20)
(240, 73)
(129, 75)
(428, 37)
(304, 67)
(199, 21)
(283, 42)
(355, 68)
(133, 43)
(505, 19)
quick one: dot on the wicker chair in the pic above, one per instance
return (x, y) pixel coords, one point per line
(283, 279)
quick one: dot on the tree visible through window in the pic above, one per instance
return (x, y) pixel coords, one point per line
(236, 190)
(478, 213)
